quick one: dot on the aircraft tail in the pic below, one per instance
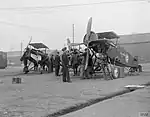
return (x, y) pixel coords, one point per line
(69, 44)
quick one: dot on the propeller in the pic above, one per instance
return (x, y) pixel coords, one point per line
(87, 39)
(88, 31)
(28, 43)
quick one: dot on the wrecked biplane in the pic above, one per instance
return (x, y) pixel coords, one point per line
(111, 57)
(35, 59)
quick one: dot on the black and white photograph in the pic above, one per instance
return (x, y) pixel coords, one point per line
(74, 58)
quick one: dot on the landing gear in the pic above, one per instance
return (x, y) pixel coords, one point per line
(118, 72)
(137, 69)
(115, 73)
(25, 69)
(140, 68)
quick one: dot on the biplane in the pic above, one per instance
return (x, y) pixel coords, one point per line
(107, 55)
(35, 58)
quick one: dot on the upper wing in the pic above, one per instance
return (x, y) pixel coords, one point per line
(76, 44)
(133, 43)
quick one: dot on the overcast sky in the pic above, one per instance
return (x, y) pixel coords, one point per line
(53, 26)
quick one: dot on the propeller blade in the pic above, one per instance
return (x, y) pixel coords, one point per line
(28, 43)
(89, 26)
(87, 59)
(87, 39)
(88, 31)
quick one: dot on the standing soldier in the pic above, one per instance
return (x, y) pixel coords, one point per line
(82, 72)
(49, 68)
(65, 65)
(57, 64)
(52, 62)
(74, 62)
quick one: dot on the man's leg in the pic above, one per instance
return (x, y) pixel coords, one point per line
(64, 74)
(52, 67)
(86, 75)
(56, 70)
(49, 69)
(74, 73)
(90, 71)
(76, 69)
(82, 71)
(67, 75)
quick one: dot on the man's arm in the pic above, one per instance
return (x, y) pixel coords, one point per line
(61, 59)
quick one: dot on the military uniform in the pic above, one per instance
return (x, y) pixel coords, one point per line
(52, 63)
(65, 65)
(74, 62)
(57, 64)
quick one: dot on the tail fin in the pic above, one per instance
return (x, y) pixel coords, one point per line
(69, 44)
(68, 41)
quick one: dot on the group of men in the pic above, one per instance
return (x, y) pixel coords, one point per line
(63, 61)
(75, 60)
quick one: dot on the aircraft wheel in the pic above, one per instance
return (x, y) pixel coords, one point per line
(140, 68)
(115, 73)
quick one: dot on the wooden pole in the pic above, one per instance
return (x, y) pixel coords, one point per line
(21, 47)
(73, 35)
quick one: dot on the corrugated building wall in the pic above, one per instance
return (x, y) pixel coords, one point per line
(142, 50)
(3, 60)
(13, 58)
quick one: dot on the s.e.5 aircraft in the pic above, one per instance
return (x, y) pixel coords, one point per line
(107, 55)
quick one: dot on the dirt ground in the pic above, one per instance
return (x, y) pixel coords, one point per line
(39, 95)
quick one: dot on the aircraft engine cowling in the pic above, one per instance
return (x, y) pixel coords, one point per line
(92, 37)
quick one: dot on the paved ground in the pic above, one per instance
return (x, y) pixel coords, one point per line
(9, 71)
(40, 95)
(134, 104)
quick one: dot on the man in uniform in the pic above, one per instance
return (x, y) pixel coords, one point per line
(65, 65)
(57, 64)
(52, 62)
(74, 62)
